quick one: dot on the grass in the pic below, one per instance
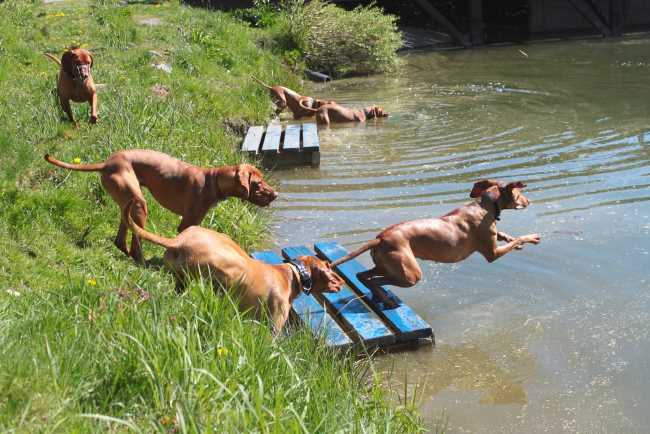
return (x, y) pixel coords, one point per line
(88, 340)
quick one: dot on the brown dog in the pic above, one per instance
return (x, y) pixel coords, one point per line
(200, 251)
(283, 97)
(450, 238)
(75, 81)
(184, 189)
(333, 112)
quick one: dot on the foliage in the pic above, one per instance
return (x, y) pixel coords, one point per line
(334, 40)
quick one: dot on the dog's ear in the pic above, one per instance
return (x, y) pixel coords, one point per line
(92, 59)
(243, 177)
(481, 186)
(68, 61)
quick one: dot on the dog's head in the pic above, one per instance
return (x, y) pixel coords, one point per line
(508, 196)
(250, 186)
(323, 278)
(375, 112)
(77, 62)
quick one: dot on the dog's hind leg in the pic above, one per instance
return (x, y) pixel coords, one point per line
(139, 214)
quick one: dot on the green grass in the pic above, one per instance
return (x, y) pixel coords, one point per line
(88, 340)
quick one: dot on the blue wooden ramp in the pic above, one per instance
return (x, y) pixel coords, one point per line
(351, 316)
(402, 319)
(358, 319)
(310, 311)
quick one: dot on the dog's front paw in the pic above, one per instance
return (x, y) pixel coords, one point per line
(532, 238)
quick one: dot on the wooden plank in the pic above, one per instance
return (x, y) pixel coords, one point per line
(310, 137)
(592, 15)
(443, 21)
(354, 313)
(292, 138)
(407, 324)
(272, 139)
(310, 311)
(253, 139)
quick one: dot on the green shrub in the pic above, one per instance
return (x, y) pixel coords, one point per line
(337, 41)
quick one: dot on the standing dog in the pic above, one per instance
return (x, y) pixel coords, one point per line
(75, 81)
(331, 111)
(450, 238)
(184, 189)
(284, 97)
(200, 251)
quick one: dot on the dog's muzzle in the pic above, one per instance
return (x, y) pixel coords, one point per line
(82, 72)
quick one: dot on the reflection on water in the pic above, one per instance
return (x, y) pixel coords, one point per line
(553, 338)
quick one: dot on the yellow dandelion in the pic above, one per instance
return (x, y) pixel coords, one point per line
(222, 351)
(55, 15)
(77, 160)
(91, 282)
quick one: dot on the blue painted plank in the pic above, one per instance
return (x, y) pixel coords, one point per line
(348, 306)
(272, 139)
(310, 137)
(310, 312)
(291, 138)
(408, 324)
(253, 139)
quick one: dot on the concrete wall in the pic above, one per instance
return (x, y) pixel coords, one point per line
(549, 17)
(638, 15)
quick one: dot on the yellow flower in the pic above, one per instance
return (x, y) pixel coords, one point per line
(91, 282)
(57, 14)
(222, 351)
(166, 420)
(77, 160)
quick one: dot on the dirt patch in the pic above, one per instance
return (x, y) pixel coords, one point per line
(236, 127)
(160, 91)
(147, 21)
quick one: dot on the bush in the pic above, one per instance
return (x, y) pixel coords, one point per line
(337, 41)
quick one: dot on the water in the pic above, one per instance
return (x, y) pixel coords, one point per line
(554, 338)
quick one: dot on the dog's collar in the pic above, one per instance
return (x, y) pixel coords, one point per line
(497, 210)
(303, 275)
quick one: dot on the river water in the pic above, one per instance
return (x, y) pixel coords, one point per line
(553, 338)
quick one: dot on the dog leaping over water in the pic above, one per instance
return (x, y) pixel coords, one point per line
(450, 238)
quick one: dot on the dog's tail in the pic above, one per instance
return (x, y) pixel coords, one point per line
(95, 167)
(54, 59)
(300, 102)
(367, 246)
(140, 232)
(260, 82)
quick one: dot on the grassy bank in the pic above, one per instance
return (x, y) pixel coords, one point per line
(88, 340)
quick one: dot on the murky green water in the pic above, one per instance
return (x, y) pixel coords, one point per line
(554, 338)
